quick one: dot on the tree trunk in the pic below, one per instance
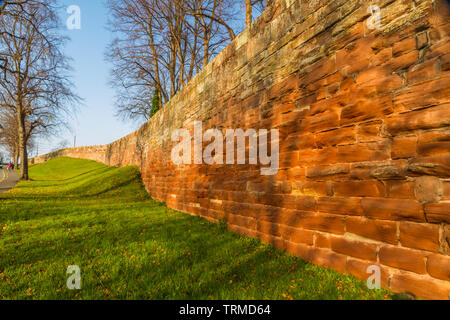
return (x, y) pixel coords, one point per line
(16, 159)
(22, 147)
(205, 49)
(24, 166)
(248, 13)
(160, 99)
(16, 155)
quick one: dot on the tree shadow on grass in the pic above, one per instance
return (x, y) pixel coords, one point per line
(101, 170)
(93, 187)
(200, 262)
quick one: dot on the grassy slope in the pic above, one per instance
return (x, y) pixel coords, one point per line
(78, 212)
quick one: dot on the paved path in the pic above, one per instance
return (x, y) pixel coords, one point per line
(8, 180)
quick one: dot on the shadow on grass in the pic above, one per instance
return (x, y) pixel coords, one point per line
(103, 222)
(202, 258)
(67, 179)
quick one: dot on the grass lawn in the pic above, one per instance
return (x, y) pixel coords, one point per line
(78, 212)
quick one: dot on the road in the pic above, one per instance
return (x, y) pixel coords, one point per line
(8, 180)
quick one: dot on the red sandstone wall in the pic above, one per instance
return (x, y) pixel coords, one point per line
(95, 153)
(364, 120)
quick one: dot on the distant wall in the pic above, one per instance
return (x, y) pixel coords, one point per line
(364, 120)
(95, 153)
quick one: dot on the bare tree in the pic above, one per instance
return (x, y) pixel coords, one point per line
(63, 144)
(248, 13)
(212, 18)
(36, 86)
(17, 9)
(8, 6)
(259, 5)
(9, 134)
(160, 46)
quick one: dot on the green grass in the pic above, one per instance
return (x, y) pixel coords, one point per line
(78, 212)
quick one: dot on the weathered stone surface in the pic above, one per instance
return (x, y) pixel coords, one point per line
(379, 230)
(422, 236)
(428, 189)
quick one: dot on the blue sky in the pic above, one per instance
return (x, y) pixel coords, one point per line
(95, 122)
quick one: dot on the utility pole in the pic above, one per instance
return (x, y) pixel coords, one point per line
(74, 141)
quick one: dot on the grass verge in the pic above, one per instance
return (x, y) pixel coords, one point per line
(100, 218)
